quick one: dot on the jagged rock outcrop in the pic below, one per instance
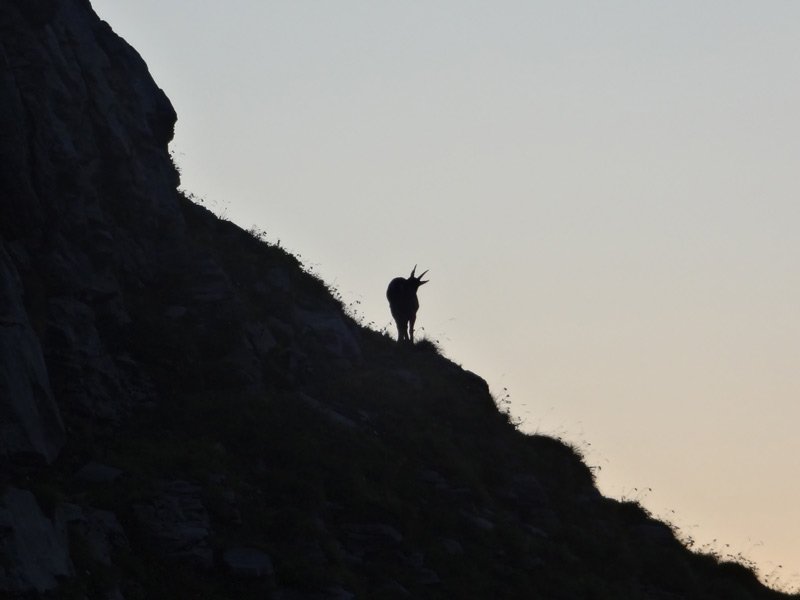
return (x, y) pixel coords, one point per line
(30, 422)
(88, 192)
(185, 412)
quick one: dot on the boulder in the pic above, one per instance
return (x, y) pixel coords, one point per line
(34, 550)
(207, 281)
(248, 562)
(98, 473)
(452, 547)
(374, 532)
(261, 338)
(100, 529)
(177, 524)
(330, 330)
(330, 414)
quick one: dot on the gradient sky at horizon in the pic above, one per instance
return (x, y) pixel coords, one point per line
(606, 195)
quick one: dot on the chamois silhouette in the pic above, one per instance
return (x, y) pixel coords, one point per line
(402, 296)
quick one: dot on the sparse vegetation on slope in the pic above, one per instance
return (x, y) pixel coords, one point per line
(386, 471)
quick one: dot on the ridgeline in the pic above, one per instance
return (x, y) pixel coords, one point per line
(186, 413)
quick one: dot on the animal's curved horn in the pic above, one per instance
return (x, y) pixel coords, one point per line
(421, 275)
(412, 272)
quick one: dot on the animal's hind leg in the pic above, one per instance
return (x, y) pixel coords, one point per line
(411, 322)
(402, 334)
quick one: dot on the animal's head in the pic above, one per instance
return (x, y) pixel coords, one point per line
(416, 281)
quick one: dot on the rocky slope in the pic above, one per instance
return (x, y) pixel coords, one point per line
(186, 413)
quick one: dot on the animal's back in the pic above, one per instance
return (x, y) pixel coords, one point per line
(395, 289)
(402, 299)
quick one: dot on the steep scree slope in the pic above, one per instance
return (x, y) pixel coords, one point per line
(186, 413)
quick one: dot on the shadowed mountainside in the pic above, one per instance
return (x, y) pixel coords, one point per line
(186, 413)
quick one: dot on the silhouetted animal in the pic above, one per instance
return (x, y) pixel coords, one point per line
(402, 296)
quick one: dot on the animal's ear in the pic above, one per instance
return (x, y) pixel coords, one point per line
(424, 282)
(421, 275)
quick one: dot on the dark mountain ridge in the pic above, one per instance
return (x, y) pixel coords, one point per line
(186, 413)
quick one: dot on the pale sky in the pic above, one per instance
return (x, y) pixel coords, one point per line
(605, 193)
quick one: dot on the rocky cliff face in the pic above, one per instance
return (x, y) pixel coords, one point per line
(88, 204)
(184, 412)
